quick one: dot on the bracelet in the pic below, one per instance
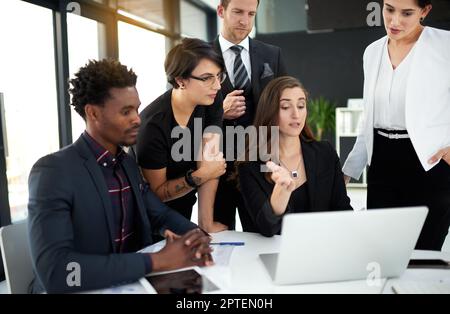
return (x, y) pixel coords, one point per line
(189, 180)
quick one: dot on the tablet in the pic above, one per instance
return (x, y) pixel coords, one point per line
(429, 263)
(183, 281)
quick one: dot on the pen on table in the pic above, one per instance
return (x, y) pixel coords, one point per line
(228, 243)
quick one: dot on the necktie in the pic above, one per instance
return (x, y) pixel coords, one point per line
(241, 79)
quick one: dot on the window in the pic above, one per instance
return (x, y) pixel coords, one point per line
(193, 21)
(211, 3)
(145, 52)
(28, 76)
(281, 16)
(84, 44)
(149, 10)
(28, 82)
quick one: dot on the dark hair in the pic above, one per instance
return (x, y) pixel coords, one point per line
(225, 3)
(93, 82)
(423, 3)
(184, 58)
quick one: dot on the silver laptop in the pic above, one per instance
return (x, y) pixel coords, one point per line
(345, 245)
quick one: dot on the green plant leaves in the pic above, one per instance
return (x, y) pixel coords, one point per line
(321, 116)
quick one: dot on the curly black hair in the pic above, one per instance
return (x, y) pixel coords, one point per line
(93, 82)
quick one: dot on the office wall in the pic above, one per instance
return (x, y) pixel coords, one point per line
(275, 16)
(329, 64)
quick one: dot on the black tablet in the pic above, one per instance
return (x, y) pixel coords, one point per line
(188, 281)
(428, 263)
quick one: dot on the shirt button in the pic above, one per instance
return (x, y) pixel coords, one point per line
(114, 159)
(105, 164)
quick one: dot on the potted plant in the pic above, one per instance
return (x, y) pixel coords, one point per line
(321, 116)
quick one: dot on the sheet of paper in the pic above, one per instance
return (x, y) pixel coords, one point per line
(134, 288)
(222, 254)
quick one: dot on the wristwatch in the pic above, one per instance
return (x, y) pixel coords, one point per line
(190, 180)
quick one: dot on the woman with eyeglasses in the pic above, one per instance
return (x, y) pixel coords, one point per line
(406, 134)
(178, 157)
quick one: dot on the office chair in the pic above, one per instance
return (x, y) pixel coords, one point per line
(16, 257)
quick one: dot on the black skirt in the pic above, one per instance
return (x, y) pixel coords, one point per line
(396, 178)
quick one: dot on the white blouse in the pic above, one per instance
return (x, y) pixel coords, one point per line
(390, 92)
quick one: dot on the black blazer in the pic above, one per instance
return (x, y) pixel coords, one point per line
(262, 56)
(70, 220)
(326, 187)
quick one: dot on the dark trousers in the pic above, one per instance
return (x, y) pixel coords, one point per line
(397, 179)
(228, 198)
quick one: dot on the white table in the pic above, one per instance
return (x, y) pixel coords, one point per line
(246, 273)
(422, 275)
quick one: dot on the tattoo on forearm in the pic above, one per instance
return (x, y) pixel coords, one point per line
(180, 187)
(167, 194)
(171, 192)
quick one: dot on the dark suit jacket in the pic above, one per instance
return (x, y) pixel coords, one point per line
(262, 56)
(70, 220)
(326, 187)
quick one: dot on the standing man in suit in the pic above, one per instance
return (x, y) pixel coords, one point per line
(89, 209)
(250, 66)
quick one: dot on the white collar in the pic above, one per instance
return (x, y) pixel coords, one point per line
(225, 44)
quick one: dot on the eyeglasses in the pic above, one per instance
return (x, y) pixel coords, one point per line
(211, 79)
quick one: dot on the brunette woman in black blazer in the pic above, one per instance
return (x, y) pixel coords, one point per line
(306, 177)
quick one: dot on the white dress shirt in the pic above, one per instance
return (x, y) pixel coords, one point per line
(229, 56)
(390, 92)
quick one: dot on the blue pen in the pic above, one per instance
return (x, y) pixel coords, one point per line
(228, 243)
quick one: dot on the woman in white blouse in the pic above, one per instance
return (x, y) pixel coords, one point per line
(405, 136)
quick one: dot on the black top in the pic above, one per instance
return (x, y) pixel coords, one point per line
(299, 201)
(155, 142)
(325, 189)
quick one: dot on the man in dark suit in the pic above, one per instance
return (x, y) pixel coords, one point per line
(250, 66)
(89, 209)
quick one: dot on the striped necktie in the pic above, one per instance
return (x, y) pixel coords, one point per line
(241, 79)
